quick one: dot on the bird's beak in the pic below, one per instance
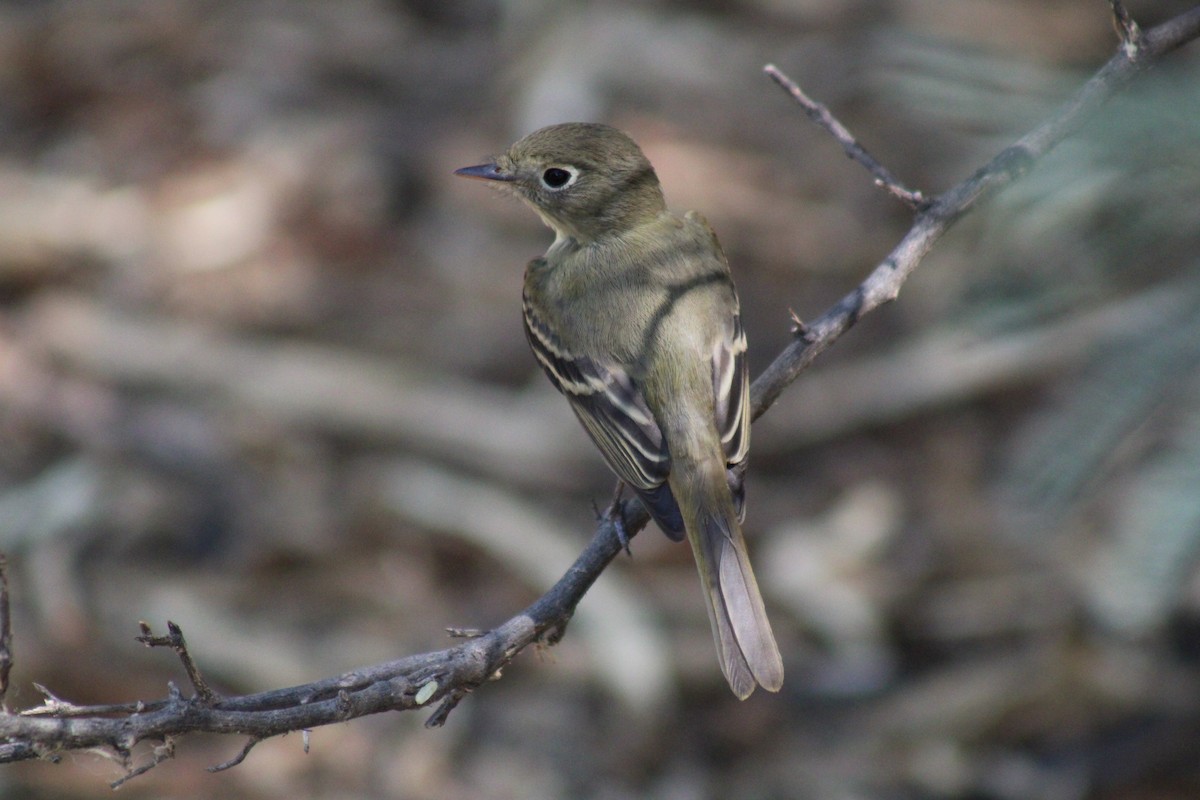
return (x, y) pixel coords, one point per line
(484, 172)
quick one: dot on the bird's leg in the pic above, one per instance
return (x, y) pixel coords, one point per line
(613, 514)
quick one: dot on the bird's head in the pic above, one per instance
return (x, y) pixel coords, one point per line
(584, 180)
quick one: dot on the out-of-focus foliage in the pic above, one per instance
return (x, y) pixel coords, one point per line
(262, 373)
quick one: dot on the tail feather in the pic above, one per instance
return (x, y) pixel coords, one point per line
(746, 646)
(747, 615)
(733, 663)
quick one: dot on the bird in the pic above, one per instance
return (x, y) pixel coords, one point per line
(633, 315)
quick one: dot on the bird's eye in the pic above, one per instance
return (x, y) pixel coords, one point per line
(556, 177)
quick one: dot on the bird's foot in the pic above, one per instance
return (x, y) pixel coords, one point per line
(613, 513)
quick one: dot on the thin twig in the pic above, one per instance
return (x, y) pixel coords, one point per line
(6, 654)
(52, 705)
(449, 703)
(821, 115)
(239, 758)
(162, 752)
(62, 710)
(940, 213)
(174, 640)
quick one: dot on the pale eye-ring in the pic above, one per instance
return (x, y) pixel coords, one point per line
(558, 178)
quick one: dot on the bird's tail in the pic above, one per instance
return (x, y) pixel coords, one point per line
(745, 644)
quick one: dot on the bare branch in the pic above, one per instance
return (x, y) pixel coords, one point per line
(940, 213)
(447, 676)
(396, 685)
(822, 116)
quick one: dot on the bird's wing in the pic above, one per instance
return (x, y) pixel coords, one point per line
(610, 406)
(731, 405)
(731, 378)
(731, 392)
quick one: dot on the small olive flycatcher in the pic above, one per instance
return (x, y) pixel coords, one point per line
(633, 315)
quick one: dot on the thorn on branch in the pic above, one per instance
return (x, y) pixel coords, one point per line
(823, 117)
(174, 640)
(162, 752)
(799, 326)
(449, 702)
(465, 633)
(241, 756)
(52, 705)
(1127, 29)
